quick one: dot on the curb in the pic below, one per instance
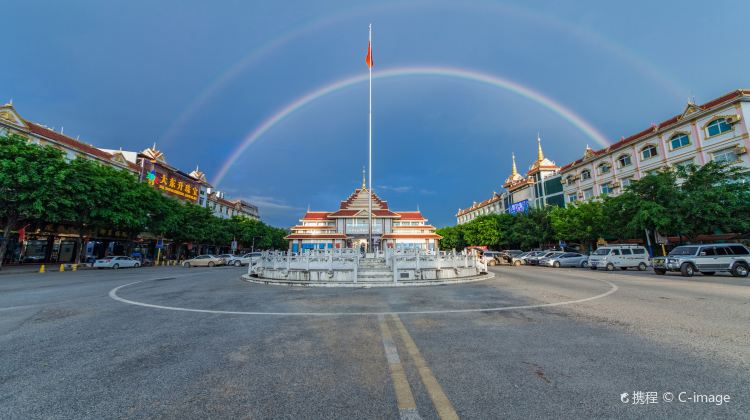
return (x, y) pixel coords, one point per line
(403, 283)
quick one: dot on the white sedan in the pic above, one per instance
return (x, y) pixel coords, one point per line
(251, 258)
(117, 262)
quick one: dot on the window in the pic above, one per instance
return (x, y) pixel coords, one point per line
(648, 152)
(615, 252)
(709, 250)
(626, 181)
(604, 168)
(569, 179)
(586, 174)
(726, 155)
(588, 193)
(607, 189)
(626, 252)
(639, 251)
(718, 126)
(739, 250)
(679, 140)
(624, 160)
(572, 197)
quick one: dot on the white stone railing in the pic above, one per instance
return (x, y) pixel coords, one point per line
(344, 264)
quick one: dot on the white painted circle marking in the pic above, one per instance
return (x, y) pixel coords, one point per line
(113, 295)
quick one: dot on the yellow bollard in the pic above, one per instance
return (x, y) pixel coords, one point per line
(41, 268)
(62, 267)
(75, 267)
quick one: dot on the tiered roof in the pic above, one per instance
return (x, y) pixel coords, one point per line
(357, 205)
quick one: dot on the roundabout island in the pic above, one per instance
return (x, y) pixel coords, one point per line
(351, 268)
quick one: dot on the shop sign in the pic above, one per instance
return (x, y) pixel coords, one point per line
(173, 184)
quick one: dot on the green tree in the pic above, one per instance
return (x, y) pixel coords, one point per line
(714, 198)
(581, 221)
(31, 182)
(532, 228)
(453, 237)
(484, 230)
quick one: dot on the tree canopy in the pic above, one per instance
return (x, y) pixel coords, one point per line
(38, 186)
(686, 202)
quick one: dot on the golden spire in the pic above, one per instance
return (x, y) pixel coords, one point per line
(364, 184)
(515, 171)
(539, 153)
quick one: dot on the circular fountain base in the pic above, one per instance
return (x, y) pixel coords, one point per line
(367, 283)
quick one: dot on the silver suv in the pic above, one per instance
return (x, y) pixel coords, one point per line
(706, 259)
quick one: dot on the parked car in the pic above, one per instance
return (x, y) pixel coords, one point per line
(519, 259)
(619, 256)
(203, 261)
(249, 258)
(508, 254)
(524, 258)
(116, 262)
(227, 258)
(490, 257)
(544, 260)
(706, 259)
(567, 259)
(534, 260)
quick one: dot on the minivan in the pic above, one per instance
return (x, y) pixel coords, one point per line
(620, 256)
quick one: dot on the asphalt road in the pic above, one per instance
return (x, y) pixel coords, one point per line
(531, 343)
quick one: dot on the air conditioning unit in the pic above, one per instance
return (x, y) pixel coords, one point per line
(732, 119)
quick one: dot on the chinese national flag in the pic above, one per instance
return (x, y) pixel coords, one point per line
(368, 59)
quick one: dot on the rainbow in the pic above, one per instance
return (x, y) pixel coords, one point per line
(459, 73)
(638, 63)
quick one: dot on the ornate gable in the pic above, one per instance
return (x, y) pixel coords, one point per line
(154, 154)
(9, 115)
(690, 108)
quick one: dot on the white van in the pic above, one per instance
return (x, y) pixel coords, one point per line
(620, 256)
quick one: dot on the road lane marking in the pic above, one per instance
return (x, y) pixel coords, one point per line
(113, 295)
(407, 407)
(441, 402)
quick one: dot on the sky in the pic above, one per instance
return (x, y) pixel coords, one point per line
(202, 79)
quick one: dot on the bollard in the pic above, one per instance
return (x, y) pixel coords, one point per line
(62, 267)
(41, 268)
(74, 267)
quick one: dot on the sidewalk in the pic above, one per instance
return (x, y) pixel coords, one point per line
(34, 268)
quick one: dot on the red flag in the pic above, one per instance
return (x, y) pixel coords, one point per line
(368, 59)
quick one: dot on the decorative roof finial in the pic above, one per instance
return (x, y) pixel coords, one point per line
(154, 146)
(539, 153)
(364, 183)
(515, 171)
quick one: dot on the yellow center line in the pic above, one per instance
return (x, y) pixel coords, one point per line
(442, 404)
(407, 407)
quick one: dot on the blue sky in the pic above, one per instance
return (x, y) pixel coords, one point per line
(198, 77)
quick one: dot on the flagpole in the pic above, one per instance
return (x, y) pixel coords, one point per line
(369, 143)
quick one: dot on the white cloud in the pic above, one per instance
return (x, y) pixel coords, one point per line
(398, 189)
(271, 205)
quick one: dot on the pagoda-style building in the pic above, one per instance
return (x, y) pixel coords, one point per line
(348, 227)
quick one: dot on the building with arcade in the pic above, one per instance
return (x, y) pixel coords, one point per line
(348, 226)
